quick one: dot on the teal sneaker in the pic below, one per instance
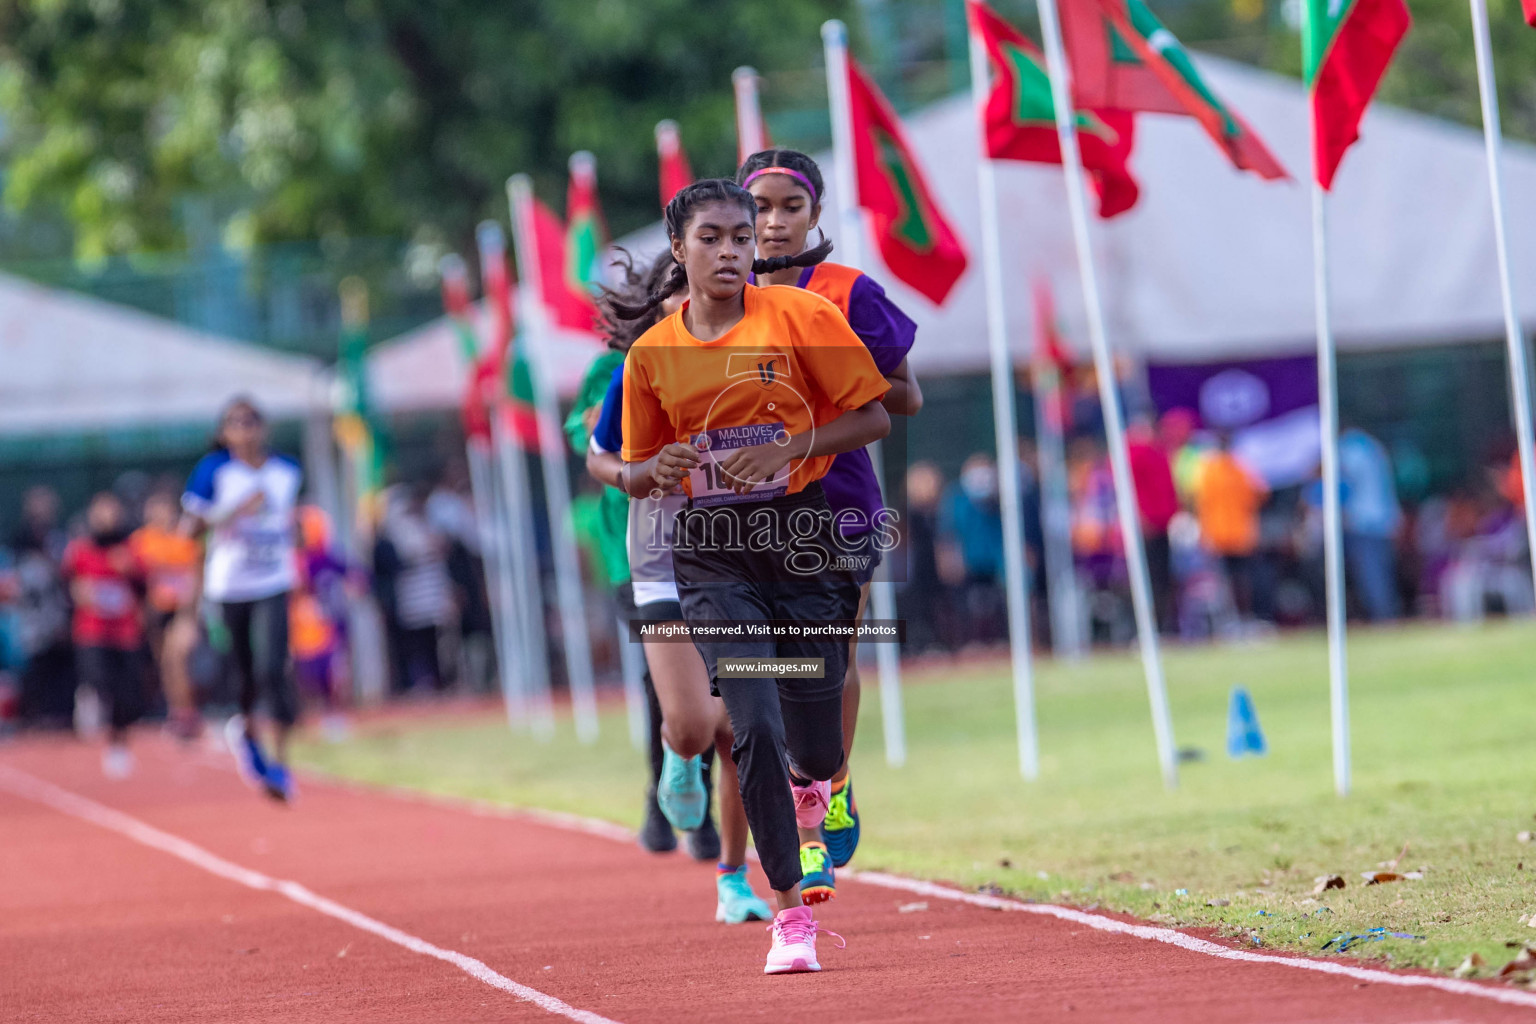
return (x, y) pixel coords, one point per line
(680, 791)
(817, 884)
(737, 902)
(840, 828)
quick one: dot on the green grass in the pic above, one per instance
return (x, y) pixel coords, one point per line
(1444, 721)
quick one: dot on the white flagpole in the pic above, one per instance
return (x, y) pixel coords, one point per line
(557, 494)
(1119, 460)
(751, 136)
(522, 556)
(490, 526)
(1333, 541)
(1056, 526)
(522, 559)
(1005, 419)
(882, 595)
(498, 582)
(1519, 371)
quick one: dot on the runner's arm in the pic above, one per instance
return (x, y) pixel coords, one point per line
(905, 398)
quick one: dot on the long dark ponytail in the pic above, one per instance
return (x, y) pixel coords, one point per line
(633, 291)
(678, 214)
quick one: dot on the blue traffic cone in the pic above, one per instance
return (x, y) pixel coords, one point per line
(1244, 736)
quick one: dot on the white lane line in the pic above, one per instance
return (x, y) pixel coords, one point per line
(1150, 933)
(62, 800)
(1453, 986)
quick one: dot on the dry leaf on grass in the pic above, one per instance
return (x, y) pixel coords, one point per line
(1326, 882)
(1218, 903)
(1470, 966)
(1524, 961)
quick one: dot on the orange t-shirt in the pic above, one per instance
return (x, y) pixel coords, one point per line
(169, 558)
(1228, 497)
(791, 364)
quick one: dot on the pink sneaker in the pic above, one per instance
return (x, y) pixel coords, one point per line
(811, 803)
(794, 942)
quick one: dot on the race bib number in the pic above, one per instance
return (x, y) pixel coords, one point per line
(711, 484)
(264, 550)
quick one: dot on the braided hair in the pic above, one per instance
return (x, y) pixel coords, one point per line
(678, 214)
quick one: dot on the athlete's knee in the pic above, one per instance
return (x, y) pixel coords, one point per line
(689, 735)
(820, 764)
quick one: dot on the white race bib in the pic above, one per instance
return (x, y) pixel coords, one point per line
(711, 484)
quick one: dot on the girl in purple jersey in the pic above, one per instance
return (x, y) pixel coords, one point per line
(788, 188)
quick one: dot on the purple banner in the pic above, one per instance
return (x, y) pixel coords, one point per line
(1230, 396)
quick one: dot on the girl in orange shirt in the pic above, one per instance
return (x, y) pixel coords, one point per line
(743, 398)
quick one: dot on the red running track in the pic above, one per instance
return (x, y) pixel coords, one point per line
(97, 926)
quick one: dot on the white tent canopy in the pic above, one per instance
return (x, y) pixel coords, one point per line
(425, 369)
(69, 362)
(1213, 263)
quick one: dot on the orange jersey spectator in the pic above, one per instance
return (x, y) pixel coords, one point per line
(1228, 496)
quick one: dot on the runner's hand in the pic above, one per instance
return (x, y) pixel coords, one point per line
(672, 464)
(745, 468)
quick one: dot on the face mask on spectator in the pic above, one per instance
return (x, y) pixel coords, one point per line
(979, 483)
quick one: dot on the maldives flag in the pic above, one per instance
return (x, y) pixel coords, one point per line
(676, 175)
(1345, 48)
(1530, 12)
(1020, 116)
(918, 245)
(585, 241)
(1052, 365)
(568, 306)
(1123, 58)
(501, 376)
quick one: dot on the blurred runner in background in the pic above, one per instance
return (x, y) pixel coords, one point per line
(107, 582)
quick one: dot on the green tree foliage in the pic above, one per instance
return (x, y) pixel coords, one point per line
(349, 118)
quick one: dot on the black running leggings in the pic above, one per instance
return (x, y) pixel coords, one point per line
(258, 637)
(781, 725)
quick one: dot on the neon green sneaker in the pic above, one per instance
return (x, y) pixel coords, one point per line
(840, 829)
(817, 884)
(737, 902)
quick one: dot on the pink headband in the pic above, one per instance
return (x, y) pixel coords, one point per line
(802, 179)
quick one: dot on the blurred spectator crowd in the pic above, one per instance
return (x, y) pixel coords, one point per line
(1227, 555)
(125, 556)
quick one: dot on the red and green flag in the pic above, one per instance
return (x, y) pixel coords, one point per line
(1123, 58)
(676, 174)
(1052, 364)
(1020, 116)
(503, 360)
(917, 243)
(1529, 7)
(586, 236)
(569, 304)
(1346, 46)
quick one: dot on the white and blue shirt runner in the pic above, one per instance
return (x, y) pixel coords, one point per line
(250, 555)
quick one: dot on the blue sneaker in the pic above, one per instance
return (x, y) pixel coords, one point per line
(737, 902)
(278, 783)
(680, 791)
(840, 829)
(249, 757)
(817, 884)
